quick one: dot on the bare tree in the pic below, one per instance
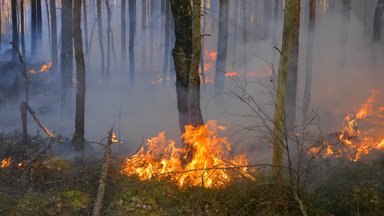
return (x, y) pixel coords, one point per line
(33, 27)
(310, 46)
(123, 35)
(144, 34)
(85, 24)
(66, 56)
(54, 52)
(100, 31)
(39, 23)
(287, 68)
(167, 33)
(15, 31)
(186, 56)
(78, 136)
(222, 46)
(22, 31)
(132, 34)
(109, 31)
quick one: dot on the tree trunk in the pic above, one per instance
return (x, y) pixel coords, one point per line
(39, 24)
(15, 32)
(245, 38)
(66, 56)
(1, 10)
(109, 30)
(131, 46)
(100, 31)
(85, 24)
(78, 136)
(144, 35)
(291, 22)
(33, 27)
(123, 35)
(22, 30)
(377, 21)
(186, 55)
(310, 46)
(222, 46)
(347, 5)
(54, 52)
(167, 33)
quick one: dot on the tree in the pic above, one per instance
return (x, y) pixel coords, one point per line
(78, 136)
(310, 45)
(66, 55)
(186, 56)
(86, 45)
(22, 31)
(123, 35)
(109, 32)
(347, 5)
(288, 58)
(131, 46)
(55, 58)
(144, 34)
(377, 21)
(222, 46)
(0, 24)
(33, 27)
(15, 32)
(39, 23)
(167, 33)
(100, 31)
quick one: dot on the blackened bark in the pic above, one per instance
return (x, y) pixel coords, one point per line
(22, 30)
(15, 32)
(123, 35)
(377, 21)
(54, 52)
(222, 46)
(186, 55)
(132, 34)
(100, 31)
(33, 27)
(66, 56)
(78, 136)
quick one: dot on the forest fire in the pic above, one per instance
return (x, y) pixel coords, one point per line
(208, 166)
(363, 132)
(231, 74)
(44, 68)
(5, 163)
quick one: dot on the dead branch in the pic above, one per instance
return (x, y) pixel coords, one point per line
(103, 176)
(49, 133)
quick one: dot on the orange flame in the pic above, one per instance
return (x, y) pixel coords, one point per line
(45, 67)
(212, 55)
(231, 74)
(208, 166)
(114, 138)
(356, 141)
(6, 162)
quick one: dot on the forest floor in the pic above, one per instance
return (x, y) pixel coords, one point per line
(46, 184)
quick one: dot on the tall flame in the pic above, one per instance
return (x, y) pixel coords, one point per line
(356, 141)
(208, 166)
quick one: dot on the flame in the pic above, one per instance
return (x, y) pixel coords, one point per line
(231, 74)
(114, 138)
(208, 165)
(6, 162)
(212, 55)
(45, 67)
(362, 133)
(33, 71)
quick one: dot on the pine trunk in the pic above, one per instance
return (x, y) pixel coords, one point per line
(377, 21)
(22, 30)
(123, 35)
(222, 46)
(100, 31)
(39, 24)
(291, 17)
(54, 52)
(33, 27)
(78, 136)
(15, 32)
(131, 45)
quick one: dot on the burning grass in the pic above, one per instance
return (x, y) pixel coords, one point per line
(209, 165)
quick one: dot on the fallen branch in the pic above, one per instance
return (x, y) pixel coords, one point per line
(48, 132)
(103, 176)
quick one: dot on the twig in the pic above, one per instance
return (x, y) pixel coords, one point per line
(103, 177)
(48, 132)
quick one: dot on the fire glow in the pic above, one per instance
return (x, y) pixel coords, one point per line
(363, 132)
(209, 165)
(5, 163)
(44, 68)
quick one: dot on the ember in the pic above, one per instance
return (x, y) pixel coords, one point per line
(208, 167)
(5, 163)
